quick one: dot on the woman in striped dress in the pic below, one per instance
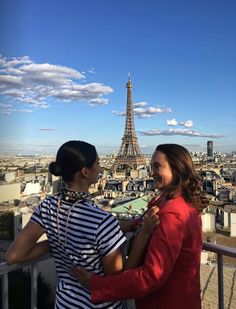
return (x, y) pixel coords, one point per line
(79, 232)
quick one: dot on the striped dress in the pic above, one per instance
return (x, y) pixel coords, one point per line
(79, 235)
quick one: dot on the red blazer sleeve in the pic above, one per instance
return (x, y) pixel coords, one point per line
(162, 252)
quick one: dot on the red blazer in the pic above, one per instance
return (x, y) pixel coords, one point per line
(170, 275)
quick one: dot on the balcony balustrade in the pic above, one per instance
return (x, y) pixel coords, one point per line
(219, 250)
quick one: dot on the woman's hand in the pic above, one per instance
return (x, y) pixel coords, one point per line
(150, 221)
(82, 275)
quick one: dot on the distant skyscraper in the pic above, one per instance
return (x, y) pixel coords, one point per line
(130, 153)
(210, 149)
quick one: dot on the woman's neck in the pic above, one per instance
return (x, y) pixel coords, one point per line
(78, 187)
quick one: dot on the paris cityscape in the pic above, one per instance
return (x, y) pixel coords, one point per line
(124, 187)
(125, 76)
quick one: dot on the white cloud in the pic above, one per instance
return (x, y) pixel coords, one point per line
(2, 61)
(183, 132)
(89, 92)
(25, 110)
(98, 101)
(10, 81)
(5, 105)
(141, 112)
(11, 71)
(187, 124)
(147, 112)
(92, 71)
(171, 122)
(6, 109)
(31, 83)
(52, 68)
(140, 104)
(15, 61)
(174, 122)
(12, 93)
(6, 112)
(119, 113)
(155, 110)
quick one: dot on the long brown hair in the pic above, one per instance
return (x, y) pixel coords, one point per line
(185, 177)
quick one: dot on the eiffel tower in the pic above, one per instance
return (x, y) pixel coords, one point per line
(129, 155)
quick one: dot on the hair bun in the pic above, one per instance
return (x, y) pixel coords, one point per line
(55, 169)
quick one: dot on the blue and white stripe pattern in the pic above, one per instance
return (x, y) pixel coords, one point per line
(89, 234)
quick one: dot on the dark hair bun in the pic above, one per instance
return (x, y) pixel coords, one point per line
(55, 169)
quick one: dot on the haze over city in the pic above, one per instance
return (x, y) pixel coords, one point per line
(64, 66)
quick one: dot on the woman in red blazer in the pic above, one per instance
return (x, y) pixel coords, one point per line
(169, 275)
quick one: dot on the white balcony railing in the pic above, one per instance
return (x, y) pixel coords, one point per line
(221, 251)
(5, 269)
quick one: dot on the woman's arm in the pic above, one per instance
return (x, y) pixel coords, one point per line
(112, 263)
(109, 238)
(25, 247)
(150, 222)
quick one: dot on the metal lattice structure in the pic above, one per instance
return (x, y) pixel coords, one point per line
(129, 153)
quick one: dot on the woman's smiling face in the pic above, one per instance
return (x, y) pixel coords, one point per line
(161, 170)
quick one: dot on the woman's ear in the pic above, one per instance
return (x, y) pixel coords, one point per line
(85, 172)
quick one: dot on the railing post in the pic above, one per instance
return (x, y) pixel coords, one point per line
(34, 283)
(220, 281)
(5, 296)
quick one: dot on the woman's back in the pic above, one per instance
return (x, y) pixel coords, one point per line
(79, 235)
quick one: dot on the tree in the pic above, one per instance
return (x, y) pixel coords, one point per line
(7, 225)
(19, 291)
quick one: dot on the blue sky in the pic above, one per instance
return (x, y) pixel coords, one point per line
(64, 67)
